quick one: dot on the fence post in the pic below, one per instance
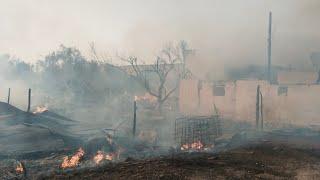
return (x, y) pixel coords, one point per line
(134, 118)
(9, 92)
(29, 100)
(258, 107)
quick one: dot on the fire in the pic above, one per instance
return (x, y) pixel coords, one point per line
(40, 109)
(193, 146)
(19, 168)
(74, 160)
(100, 156)
(110, 156)
(146, 97)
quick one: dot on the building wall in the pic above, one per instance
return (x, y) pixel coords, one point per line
(188, 97)
(299, 106)
(226, 104)
(197, 98)
(246, 99)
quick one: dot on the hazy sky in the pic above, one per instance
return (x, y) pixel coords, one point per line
(225, 31)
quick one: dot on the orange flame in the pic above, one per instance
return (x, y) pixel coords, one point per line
(193, 146)
(146, 97)
(74, 160)
(19, 168)
(40, 109)
(110, 156)
(100, 156)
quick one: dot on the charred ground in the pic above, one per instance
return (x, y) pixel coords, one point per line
(260, 160)
(275, 155)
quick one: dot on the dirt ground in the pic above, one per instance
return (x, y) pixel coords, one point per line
(265, 160)
(293, 154)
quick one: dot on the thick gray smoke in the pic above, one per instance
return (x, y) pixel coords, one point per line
(234, 33)
(224, 33)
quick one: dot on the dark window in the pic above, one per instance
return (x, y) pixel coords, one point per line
(282, 91)
(218, 90)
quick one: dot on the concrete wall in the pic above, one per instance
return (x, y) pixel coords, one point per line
(300, 106)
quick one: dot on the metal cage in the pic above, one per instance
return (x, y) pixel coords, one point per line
(198, 128)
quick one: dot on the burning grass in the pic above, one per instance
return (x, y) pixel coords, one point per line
(40, 109)
(267, 161)
(273, 156)
(196, 146)
(101, 156)
(19, 168)
(74, 160)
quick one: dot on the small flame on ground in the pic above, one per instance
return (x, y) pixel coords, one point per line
(100, 156)
(146, 97)
(40, 109)
(193, 146)
(74, 160)
(19, 168)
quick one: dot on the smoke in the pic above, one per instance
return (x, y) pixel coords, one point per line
(223, 33)
(232, 33)
(19, 87)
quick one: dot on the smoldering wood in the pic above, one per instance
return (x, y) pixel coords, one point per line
(25, 173)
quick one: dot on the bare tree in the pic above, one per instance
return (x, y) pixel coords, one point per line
(155, 77)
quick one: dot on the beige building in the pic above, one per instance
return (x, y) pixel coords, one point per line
(294, 100)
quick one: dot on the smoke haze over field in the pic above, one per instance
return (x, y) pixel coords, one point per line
(224, 31)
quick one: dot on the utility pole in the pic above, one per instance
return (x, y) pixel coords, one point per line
(269, 47)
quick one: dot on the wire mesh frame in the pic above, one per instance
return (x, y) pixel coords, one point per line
(200, 128)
